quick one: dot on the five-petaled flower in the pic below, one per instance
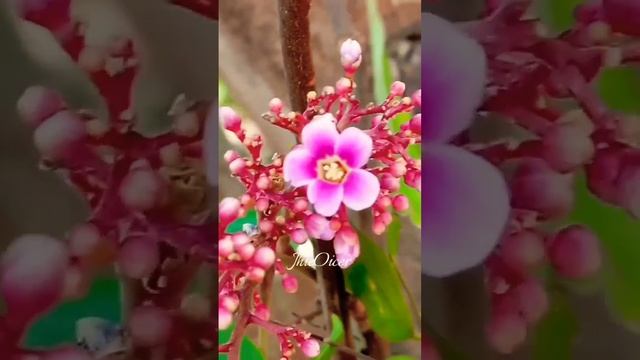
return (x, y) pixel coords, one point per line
(330, 164)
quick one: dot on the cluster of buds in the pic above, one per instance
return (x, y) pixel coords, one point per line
(149, 211)
(307, 193)
(532, 76)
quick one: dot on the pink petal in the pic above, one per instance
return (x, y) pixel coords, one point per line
(453, 78)
(325, 197)
(361, 189)
(354, 147)
(299, 167)
(465, 209)
(320, 136)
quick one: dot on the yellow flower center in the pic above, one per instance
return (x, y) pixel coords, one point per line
(333, 170)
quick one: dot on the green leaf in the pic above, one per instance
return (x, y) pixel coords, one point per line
(415, 151)
(238, 225)
(619, 88)
(415, 203)
(59, 326)
(558, 15)
(382, 74)
(619, 234)
(393, 236)
(373, 279)
(336, 337)
(248, 349)
(398, 121)
(555, 334)
(401, 357)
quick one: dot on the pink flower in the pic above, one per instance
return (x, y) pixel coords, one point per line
(329, 164)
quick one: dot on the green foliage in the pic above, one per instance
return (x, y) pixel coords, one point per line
(619, 234)
(382, 74)
(248, 349)
(557, 15)
(619, 88)
(374, 280)
(555, 334)
(58, 326)
(336, 337)
(398, 121)
(393, 237)
(238, 225)
(401, 357)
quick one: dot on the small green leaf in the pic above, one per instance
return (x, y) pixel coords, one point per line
(393, 236)
(415, 203)
(415, 151)
(558, 15)
(398, 121)
(248, 349)
(374, 281)
(382, 74)
(619, 234)
(619, 88)
(401, 357)
(336, 337)
(555, 334)
(238, 225)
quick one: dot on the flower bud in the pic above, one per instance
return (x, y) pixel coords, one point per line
(57, 135)
(310, 348)
(38, 103)
(228, 209)
(575, 252)
(532, 300)
(416, 98)
(506, 331)
(256, 274)
(224, 319)
(142, 189)
(246, 251)
(566, 147)
(299, 236)
(397, 89)
(230, 119)
(275, 106)
(264, 257)
(343, 86)
(378, 227)
(290, 283)
(263, 312)
(350, 55)
(187, 124)
(84, 240)
(230, 302)
(138, 258)
(415, 124)
(523, 251)
(149, 326)
(347, 246)
(231, 155)
(318, 227)
(389, 182)
(401, 203)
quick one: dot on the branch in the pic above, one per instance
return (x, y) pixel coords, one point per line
(296, 50)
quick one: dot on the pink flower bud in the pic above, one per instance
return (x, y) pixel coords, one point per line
(386, 218)
(416, 98)
(523, 250)
(263, 182)
(264, 257)
(237, 166)
(262, 204)
(343, 86)
(566, 146)
(58, 134)
(310, 348)
(230, 302)
(187, 124)
(415, 125)
(350, 55)
(246, 251)
(378, 227)
(266, 226)
(38, 103)
(575, 252)
(389, 182)
(149, 326)
(228, 209)
(290, 283)
(383, 202)
(603, 172)
(347, 246)
(397, 89)
(532, 300)
(231, 155)
(256, 274)
(506, 331)
(138, 257)
(398, 169)
(318, 227)
(32, 275)
(230, 120)
(225, 246)
(224, 318)
(263, 312)
(142, 189)
(401, 203)
(275, 106)
(535, 186)
(299, 236)
(300, 204)
(84, 240)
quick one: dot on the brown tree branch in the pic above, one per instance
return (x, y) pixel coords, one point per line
(296, 50)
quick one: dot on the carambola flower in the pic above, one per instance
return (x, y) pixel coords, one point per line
(330, 165)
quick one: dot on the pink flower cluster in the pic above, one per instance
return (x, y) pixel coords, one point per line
(307, 193)
(148, 201)
(533, 76)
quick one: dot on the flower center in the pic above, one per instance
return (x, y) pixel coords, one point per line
(333, 170)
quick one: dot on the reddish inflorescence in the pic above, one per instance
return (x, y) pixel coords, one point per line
(288, 212)
(534, 78)
(150, 213)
